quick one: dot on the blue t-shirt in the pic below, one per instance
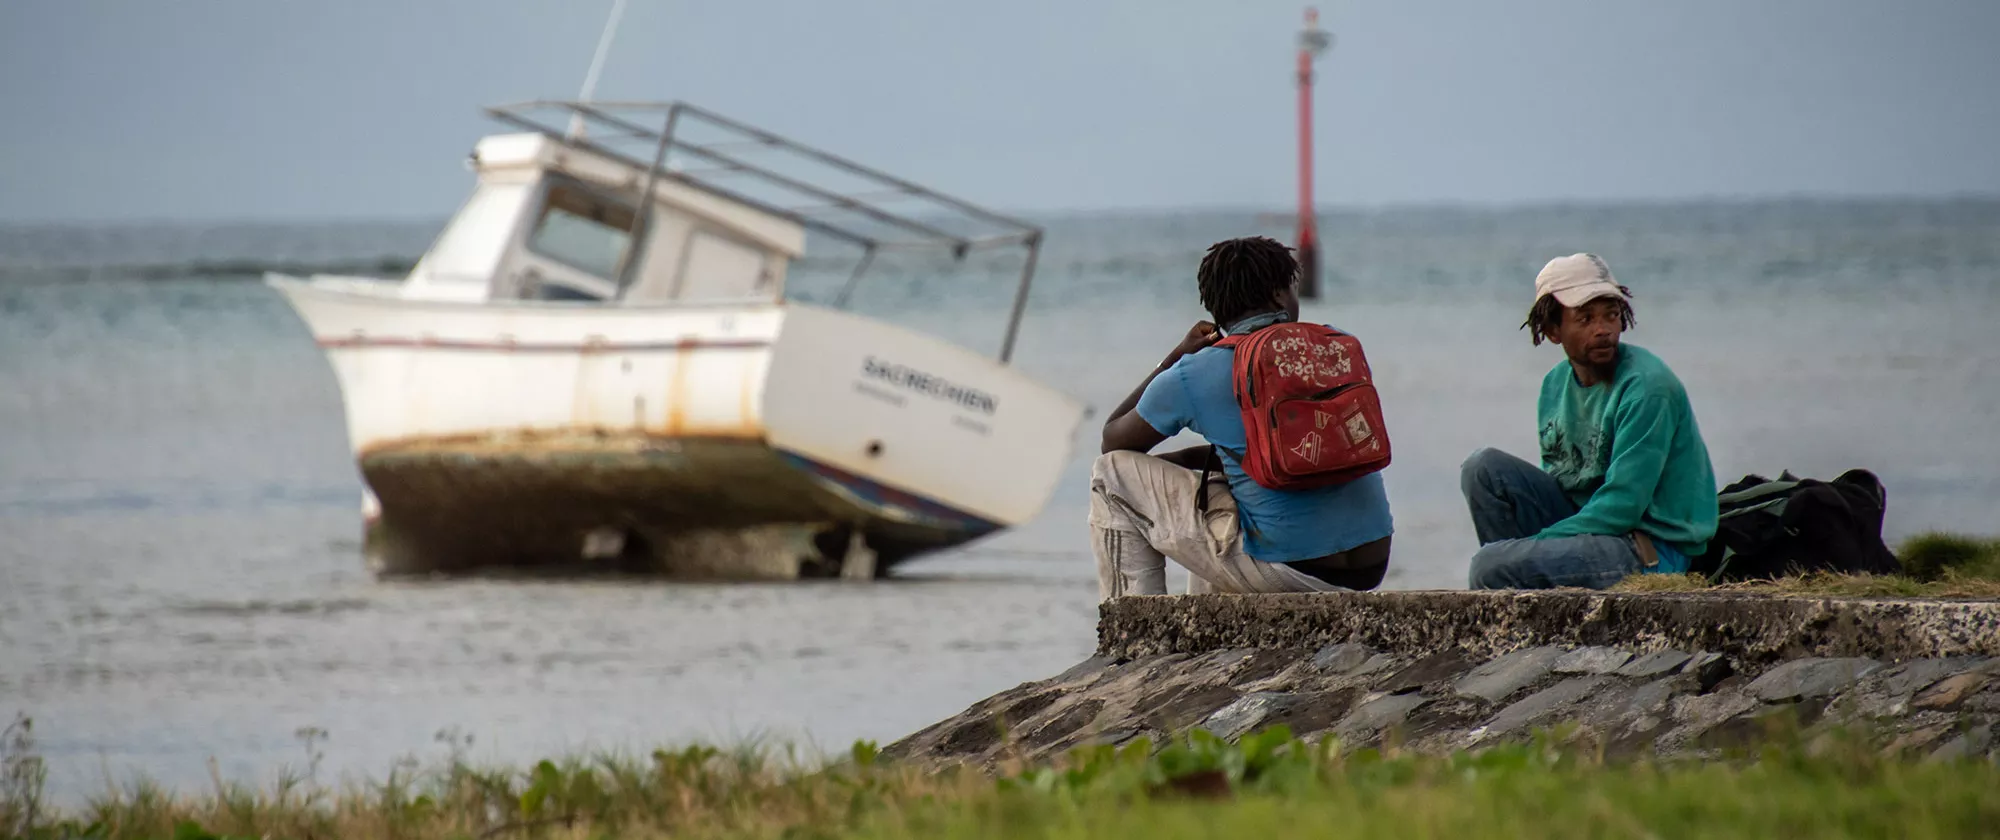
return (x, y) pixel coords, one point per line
(1279, 526)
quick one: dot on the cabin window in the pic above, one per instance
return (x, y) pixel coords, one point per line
(583, 231)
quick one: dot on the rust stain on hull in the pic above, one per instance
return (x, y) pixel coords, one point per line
(677, 394)
(746, 399)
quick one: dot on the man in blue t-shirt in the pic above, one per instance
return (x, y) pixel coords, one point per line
(1625, 484)
(1237, 535)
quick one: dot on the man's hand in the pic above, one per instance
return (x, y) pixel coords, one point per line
(1201, 335)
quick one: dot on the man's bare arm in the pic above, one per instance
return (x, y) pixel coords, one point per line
(1193, 457)
(1125, 430)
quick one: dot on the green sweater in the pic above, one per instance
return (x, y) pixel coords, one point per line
(1629, 453)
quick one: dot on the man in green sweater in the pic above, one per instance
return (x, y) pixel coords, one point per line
(1625, 484)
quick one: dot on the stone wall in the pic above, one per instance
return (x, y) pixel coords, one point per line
(1436, 671)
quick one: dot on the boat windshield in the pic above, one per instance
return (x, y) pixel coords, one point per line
(583, 231)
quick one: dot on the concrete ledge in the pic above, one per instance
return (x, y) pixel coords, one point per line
(1754, 630)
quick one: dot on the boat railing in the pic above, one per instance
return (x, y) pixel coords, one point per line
(815, 189)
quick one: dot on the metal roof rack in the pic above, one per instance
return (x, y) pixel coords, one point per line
(815, 189)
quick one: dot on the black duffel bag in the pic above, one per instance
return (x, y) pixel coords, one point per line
(1771, 528)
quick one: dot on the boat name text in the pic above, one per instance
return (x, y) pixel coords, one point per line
(938, 387)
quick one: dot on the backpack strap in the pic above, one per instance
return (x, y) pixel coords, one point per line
(1213, 463)
(1201, 493)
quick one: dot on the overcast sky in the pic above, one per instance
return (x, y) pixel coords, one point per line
(365, 108)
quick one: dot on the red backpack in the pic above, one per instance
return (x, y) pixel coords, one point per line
(1311, 416)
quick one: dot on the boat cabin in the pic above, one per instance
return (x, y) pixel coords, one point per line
(549, 221)
(664, 203)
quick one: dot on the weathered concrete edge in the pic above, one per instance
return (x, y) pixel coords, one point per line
(1752, 629)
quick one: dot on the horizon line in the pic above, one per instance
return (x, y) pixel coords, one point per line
(1321, 209)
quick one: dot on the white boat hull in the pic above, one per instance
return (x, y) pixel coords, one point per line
(750, 440)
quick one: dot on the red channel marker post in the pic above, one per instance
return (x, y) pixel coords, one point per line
(1312, 41)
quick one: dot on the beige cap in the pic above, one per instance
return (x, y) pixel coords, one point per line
(1578, 279)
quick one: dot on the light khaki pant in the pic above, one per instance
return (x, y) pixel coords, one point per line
(1142, 511)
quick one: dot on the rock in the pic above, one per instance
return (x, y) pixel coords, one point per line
(1918, 739)
(1497, 680)
(1235, 719)
(1177, 707)
(1141, 676)
(1437, 666)
(1918, 674)
(1709, 669)
(1948, 693)
(1086, 671)
(1609, 704)
(1701, 711)
(1540, 705)
(1808, 678)
(1342, 658)
(1698, 718)
(1747, 728)
(1803, 713)
(1287, 680)
(1655, 664)
(1985, 703)
(970, 736)
(1871, 700)
(1653, 697)
(1311, 712)
(1965, 746)
(1261, 665)
(1592, 660)
(1209, 667)
(1446, 718)
(1383, 711)
(1641, 738)
(1070, 721)
(1118, 737)
(1374, 664)
(1889, 692)
(1013, 714)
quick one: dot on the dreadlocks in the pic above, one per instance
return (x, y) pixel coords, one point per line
(1548, 312)
(1241, 276)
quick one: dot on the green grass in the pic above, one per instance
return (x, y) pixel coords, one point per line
(1937, 556)
(1269, 785)
(1935, 565)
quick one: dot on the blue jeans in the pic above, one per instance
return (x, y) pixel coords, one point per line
(1513, 500)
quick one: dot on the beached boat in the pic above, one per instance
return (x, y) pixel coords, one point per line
(596, 365)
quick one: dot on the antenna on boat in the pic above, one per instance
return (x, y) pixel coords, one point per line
(1312, 42)
(596, 66)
